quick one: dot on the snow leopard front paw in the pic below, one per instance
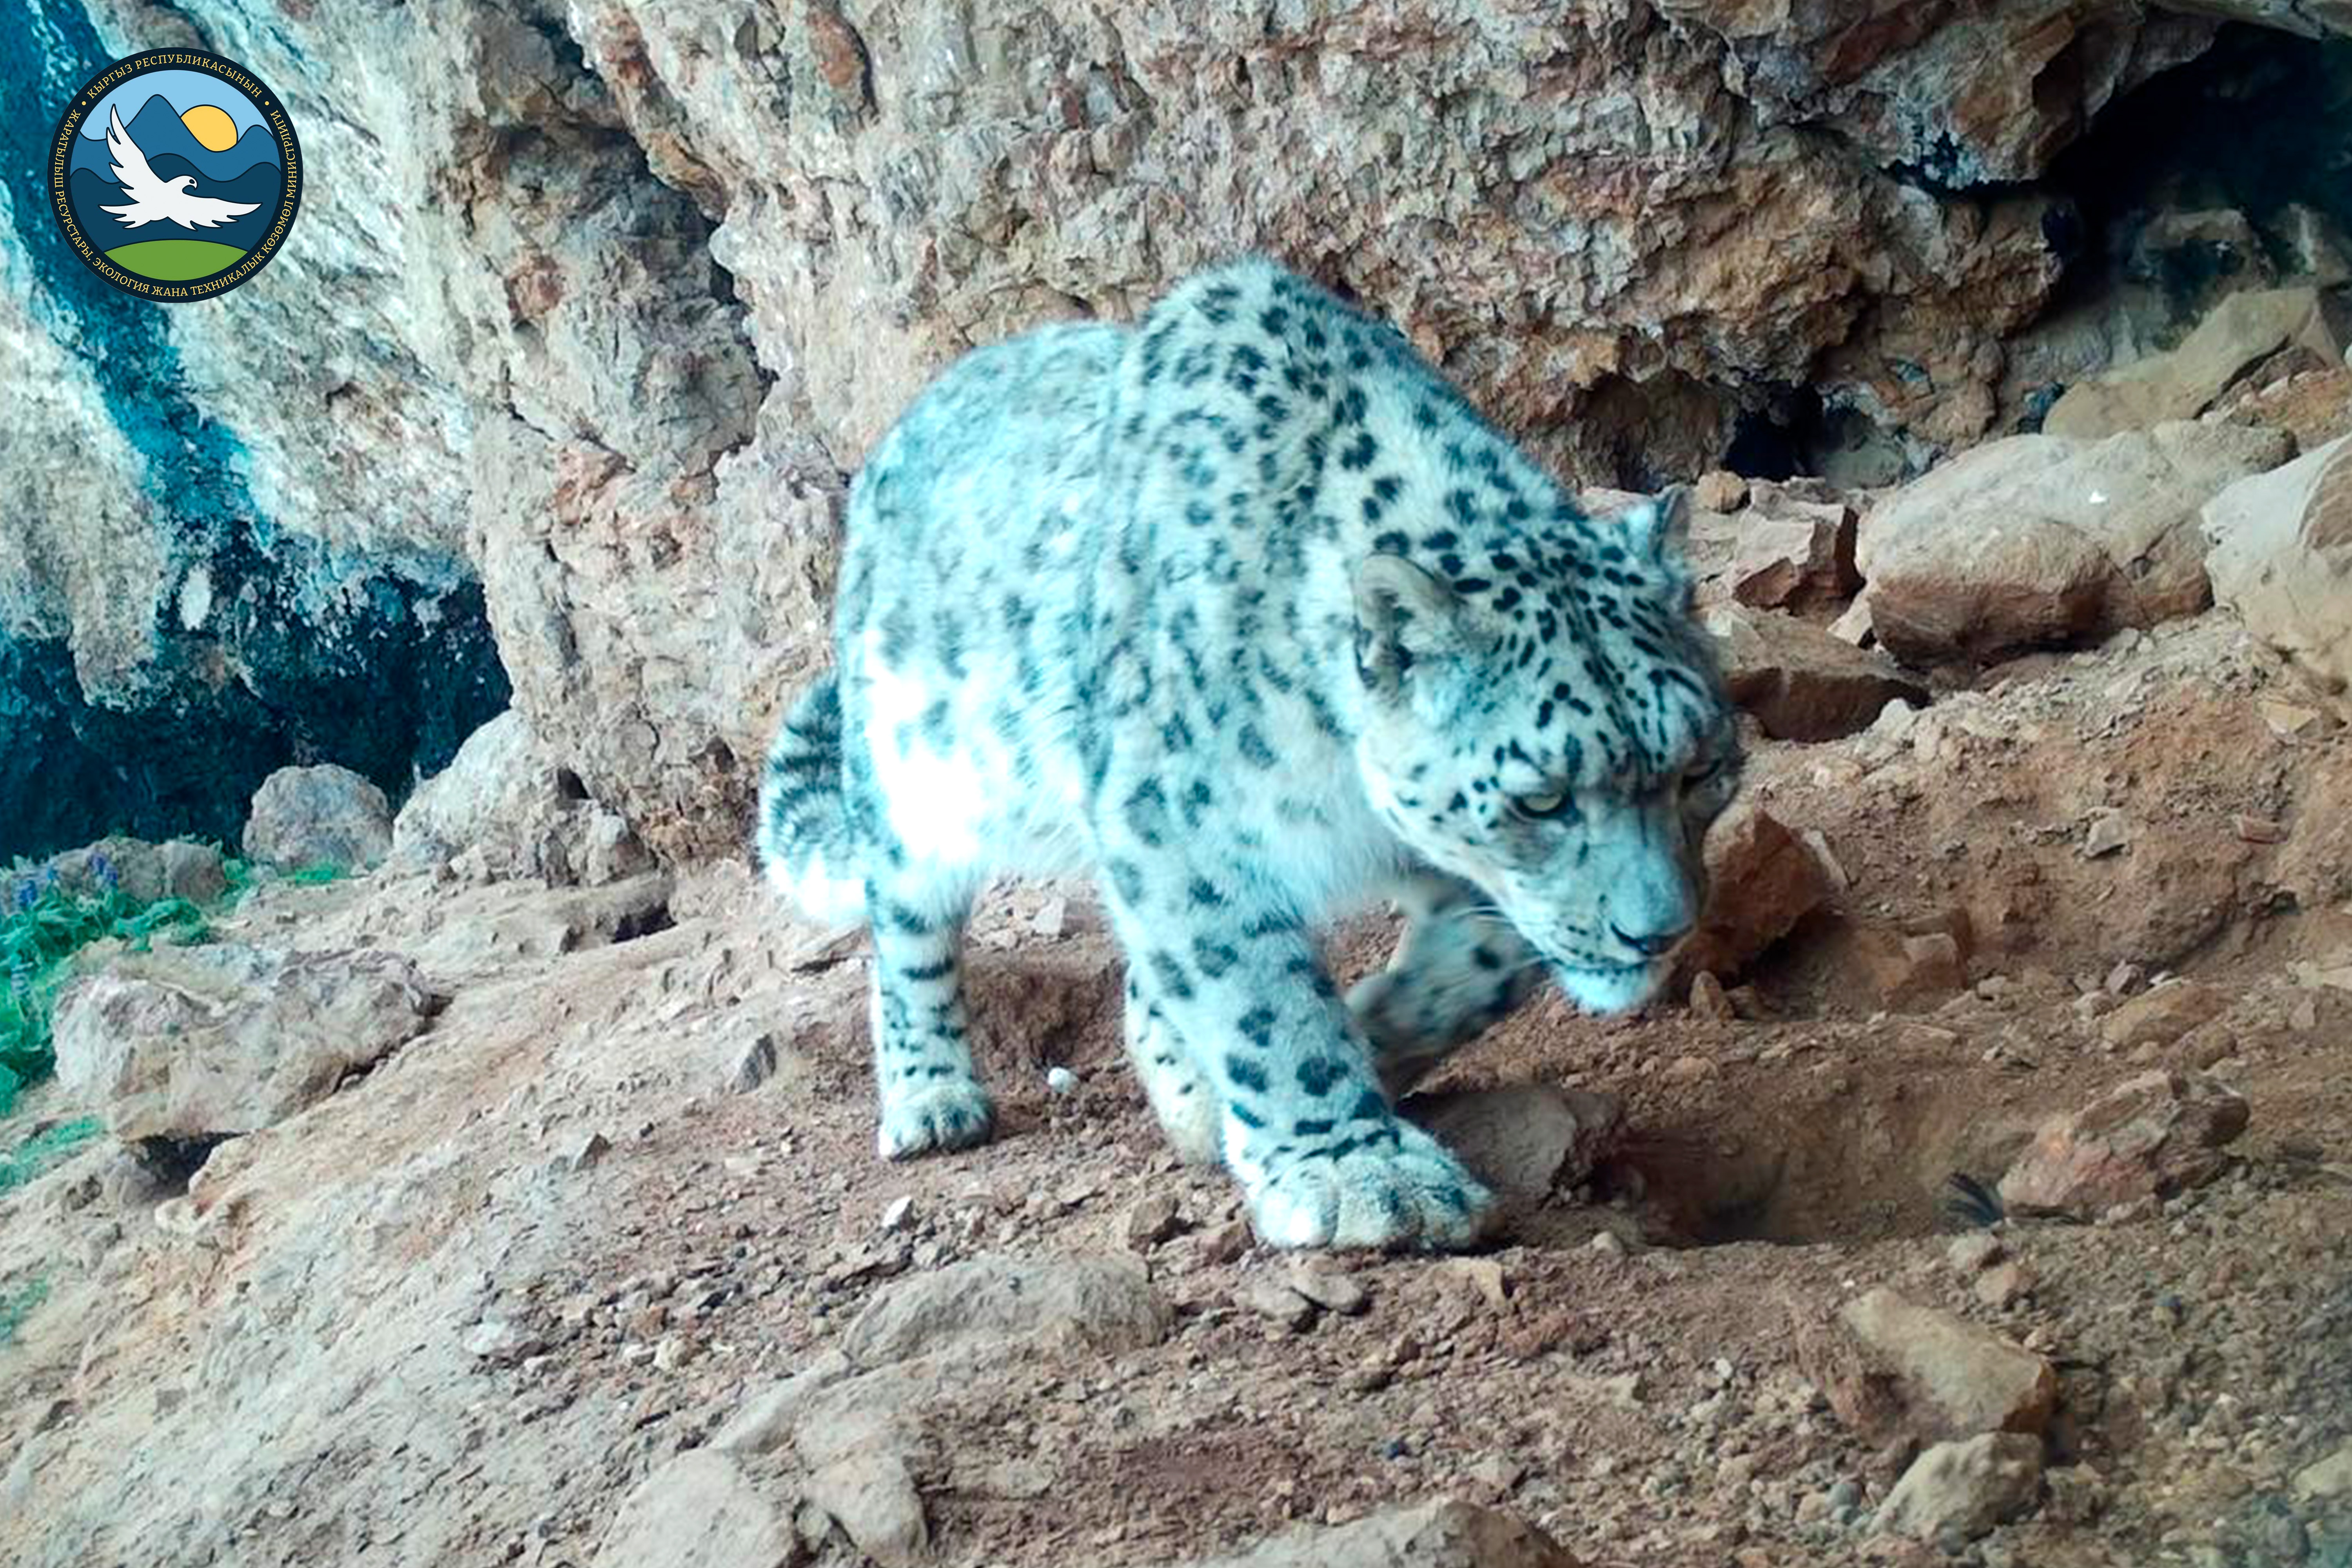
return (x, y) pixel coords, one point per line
(1377, 1184)
(954, 1114)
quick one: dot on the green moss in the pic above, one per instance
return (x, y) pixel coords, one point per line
(42, 927)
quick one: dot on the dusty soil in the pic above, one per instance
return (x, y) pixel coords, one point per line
(456, 1313)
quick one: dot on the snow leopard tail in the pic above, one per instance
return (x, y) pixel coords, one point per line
(805, 850)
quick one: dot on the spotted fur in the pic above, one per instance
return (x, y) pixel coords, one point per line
(1247, 612)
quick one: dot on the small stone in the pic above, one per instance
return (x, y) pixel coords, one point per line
(756, 1064)
(898, 1214)
(497, 1341)
(1974, 1253)
(2106, 832)
(1272, 1299)
(1964, 1488)
(1954, 1379)
(2004, 1284)
(1052, 919)
(2326, 1478)
(2289, 720)
(1227, 1242)
(583, 1150)
(1483, 1276)
(1329, 1290)
(2160, 1017)
(1526, 1139)
(1609, 1244)
(1684, 1071)
(1719, 490)
(2257, 831)
(1708, 1000)
(1152, 1221)
(1061, 1080)
(674, 1351)
(1766, 881)
(2151, 1136)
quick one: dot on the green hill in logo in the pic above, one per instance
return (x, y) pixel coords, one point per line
(173, 260)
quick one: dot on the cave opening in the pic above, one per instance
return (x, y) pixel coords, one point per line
(2233, 170)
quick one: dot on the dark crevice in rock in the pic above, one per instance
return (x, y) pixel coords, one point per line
(2258, 126)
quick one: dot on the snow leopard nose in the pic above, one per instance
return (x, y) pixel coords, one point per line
(1649, 944)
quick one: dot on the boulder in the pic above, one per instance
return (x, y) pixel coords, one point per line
(325, 816)
(2282, 558)
(1949, 1378)
(1793, 553)
(197, 1044)
(701, 1509)
(503, 809)
(2038, 541)
(1762, 879)
(2161, 1016)
(2245, 329)
(145, 872)
(1800, 681)
(1958, 1491)
(2150, 1136)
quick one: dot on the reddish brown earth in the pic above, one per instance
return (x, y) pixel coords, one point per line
(429, 1321)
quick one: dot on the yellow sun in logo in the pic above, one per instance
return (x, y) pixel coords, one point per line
(208, 125)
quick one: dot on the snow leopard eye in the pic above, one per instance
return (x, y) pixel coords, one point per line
(1551, 803)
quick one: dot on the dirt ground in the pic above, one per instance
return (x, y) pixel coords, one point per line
(461, 1310)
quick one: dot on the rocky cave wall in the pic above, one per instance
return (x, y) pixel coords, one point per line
(591, 310)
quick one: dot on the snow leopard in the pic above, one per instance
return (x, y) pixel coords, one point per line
(1245, 612)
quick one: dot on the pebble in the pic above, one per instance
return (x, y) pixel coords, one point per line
(1609, 1244)
(1152, 1221)
(2004, 1284)
(1973, 1253)
(1061, 1080)
(1483, 1275)
(1329, 1290)
(898, 1214)
(1051, 918)
(1708, 999)
(1272, 1299)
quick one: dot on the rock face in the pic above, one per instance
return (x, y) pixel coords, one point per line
(2241, 332)
(2147, 1137)
(633, 285)
(2282, 558)
(2037, 540)
(322, 815)
(202, 1043)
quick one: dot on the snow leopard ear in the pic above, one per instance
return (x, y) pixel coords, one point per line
(1402, 615)
(1660, 525)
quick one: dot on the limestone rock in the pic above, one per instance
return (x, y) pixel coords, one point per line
(2035, 540)
(1529, 1139)
(2282, 558)
(203, 1043)
(1719, 491)
(323, 815)
(1793, 553)
(1762, 880)
(700, 1510)
(1103, 1303)
(2243, 331)
(2150, 1136)
(145, 872)
(870, 1493)
(1951, 1379)
(1961, 1490)
(2159, 1017)
(1449, 1535)
(1802, 682)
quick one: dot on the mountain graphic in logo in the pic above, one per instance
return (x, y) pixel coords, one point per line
(175, 174)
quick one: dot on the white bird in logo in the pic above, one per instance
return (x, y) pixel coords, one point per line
(160, 201)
